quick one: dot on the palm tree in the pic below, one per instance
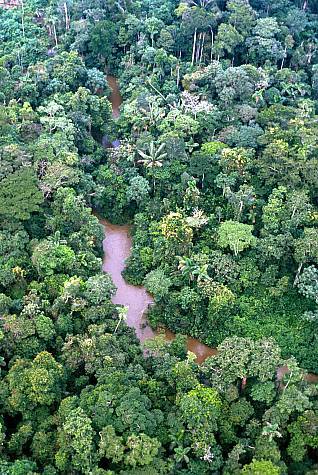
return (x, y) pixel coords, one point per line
(122, 316)
(201, 3)
(152, 159)
(188, 267)
(202, 274)
(192, 269)
(181, 454)
(56, 239)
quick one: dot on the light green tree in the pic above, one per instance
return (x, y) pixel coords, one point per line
(75, 441)
(237, 236)
(142, 450)
(261, 467)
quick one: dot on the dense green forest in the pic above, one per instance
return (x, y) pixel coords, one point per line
(215, 165)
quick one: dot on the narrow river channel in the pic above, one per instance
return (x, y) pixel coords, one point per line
(115, 97)
(117, 247)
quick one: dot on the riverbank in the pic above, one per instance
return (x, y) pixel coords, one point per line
(117, 247)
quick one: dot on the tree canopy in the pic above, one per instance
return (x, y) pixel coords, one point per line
(212, 162)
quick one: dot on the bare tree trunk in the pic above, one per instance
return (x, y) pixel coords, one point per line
(122, 10)
(294, 211)
(283, 60)
(241, 208)
(194, 46)
(22, 18)
(243, 383)
(117, 326)
(67, 21)
(212, 44)
(202, 47)
(310, 54)
(197, 53)
(297, 274)
(55, 35)
(178, 69)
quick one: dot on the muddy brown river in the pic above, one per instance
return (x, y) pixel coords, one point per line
(115, 97)
(117, 247)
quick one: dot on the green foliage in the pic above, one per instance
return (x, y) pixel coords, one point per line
(20, 195)
(111, 446)
(50, 257)
(201, 405)
(263, 392)
(258, 467)
(75, 442)
(213, 162)
(138, 190)
(227, 39)
(236, 236)
(35, 383)
(99, 289)
(157, 283)
(142, 450)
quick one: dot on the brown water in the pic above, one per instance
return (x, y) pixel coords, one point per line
(115, 97)
(309, 377)
(117, 247)
(201, 350)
